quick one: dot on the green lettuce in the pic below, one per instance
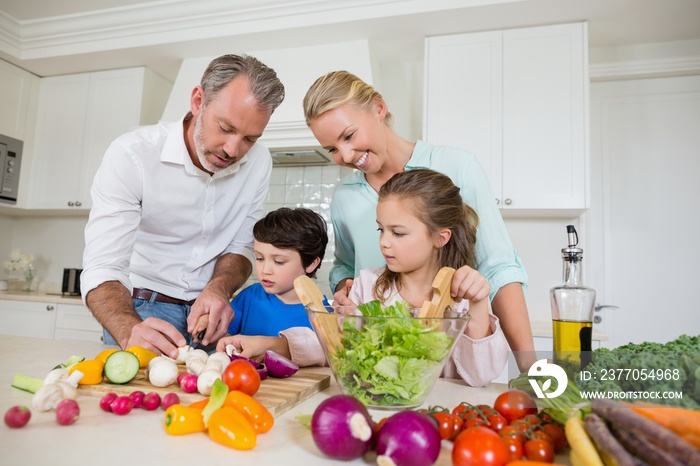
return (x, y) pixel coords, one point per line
(390, 362)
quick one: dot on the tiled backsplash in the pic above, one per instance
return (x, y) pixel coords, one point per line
(310, 187)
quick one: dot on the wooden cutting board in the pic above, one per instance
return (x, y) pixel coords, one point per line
(277, 395)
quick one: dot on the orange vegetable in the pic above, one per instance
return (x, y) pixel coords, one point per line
(91, 369)
(181, 420)
(199, 404)
(260, 418)
(144, 355)
(684, 422)
(531, 463)
(103, 355)
(229, 427)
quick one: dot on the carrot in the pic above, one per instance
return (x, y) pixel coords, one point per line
(611, 452)
(684, 422)
(643, 449)
(580, 443)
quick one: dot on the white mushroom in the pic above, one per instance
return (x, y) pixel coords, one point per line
(206, 380)
(49, 395)
(232, 350)
(182, 353)
(163, 372)
(221, 357)
(213, 365)
(56, 375)
(197, 354)
(195, 366)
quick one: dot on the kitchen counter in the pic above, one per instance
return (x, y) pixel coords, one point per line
(40, 296)
(139, 438)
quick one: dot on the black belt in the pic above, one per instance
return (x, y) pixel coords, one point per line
(142, 293)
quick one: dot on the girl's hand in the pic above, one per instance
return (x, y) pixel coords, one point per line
(468, 283)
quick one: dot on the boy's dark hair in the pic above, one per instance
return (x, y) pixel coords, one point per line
(300, 229)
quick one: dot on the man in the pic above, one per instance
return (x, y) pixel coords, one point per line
(169, 238)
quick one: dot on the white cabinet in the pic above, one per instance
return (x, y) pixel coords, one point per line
(76, 322)
(517, 99)
(78, 117)
(17, 87)
(27, 318)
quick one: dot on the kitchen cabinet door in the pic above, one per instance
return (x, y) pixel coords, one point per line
(15, 91)
(79, 116)
(76, 322)
(27, 318)
(517, 100)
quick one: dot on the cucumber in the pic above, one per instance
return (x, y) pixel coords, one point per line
(70, 362)
(27, 383)
(121, 367)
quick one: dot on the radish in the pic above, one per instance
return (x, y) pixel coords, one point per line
(17, 416)
(188, 383)
(151, 401)
(122, 405)
(67, 412)
(169, 400)
(106, 401)
(137, 398)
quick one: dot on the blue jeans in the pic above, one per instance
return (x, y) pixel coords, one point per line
(175, 314)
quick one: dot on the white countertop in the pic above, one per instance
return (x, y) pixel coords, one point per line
(40, 296)
(138, 438)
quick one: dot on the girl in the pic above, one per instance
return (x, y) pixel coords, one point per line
(350, 119)
(423, 226)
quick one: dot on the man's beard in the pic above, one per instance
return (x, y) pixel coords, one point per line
(200, 147)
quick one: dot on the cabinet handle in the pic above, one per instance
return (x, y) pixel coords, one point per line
(49, 308)
(498, 201)
(78, 203)
(509, 201)
(70, 204)
(598, 307)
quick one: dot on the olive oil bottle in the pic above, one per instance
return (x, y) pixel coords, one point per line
(572, 310)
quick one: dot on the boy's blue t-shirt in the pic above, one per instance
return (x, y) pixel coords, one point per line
(259, 313)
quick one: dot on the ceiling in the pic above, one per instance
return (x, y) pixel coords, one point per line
(49, 37)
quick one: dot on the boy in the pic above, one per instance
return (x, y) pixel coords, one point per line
(268, 315)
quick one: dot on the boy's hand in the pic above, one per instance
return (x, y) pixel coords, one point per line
(254, 346)
(468, 283)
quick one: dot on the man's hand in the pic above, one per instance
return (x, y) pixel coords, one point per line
(254, 346)
(340, 298)
(157, 335)
(218, 311)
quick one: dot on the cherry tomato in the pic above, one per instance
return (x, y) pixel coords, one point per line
(542, 435)
(515, 404)
(532, 419)
(539, 450)
(521, 426)
(449, 425)
(241, 375)
(473, 422)
(462, 408)
(496, 422)
(514, 446)
(557, 435)
(479, 446)
(510, 431)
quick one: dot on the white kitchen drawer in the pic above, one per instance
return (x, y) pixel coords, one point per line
(76, 322)
(27, 318)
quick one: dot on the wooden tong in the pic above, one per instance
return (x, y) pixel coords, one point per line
(442, 297)
(309, 294)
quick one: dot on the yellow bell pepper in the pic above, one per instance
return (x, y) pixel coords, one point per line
(181, 420)
(229, 427)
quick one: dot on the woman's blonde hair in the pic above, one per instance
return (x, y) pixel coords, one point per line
(437, 203)
(336, 89)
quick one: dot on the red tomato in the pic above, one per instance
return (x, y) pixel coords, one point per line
(515, 404)
(449, 425)
(473, 422)
(515, 448)
(479, 446)
(557, 435)
(496, 422)
(241, 375)
(539, 450)
(510, 431)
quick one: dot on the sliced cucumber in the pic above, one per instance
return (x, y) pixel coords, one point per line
(121, 367)
(70, 362)
(27, 383)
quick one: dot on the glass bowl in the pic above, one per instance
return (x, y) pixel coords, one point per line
(386, 362)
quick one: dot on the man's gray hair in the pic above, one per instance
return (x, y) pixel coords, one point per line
(264, 83)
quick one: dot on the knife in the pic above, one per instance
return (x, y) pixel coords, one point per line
(200, 328)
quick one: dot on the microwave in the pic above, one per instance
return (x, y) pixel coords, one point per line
(10, 161)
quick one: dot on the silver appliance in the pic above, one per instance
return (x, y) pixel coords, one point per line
(10, 162)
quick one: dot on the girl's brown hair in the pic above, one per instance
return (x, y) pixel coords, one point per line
(437, 203)
(336, 89)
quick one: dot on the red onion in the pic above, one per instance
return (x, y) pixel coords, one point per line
(408, 438)
(259, 366)
(342, 428)
(279, 366)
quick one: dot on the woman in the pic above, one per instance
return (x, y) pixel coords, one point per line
(350, 119)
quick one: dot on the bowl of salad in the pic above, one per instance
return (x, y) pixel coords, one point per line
(383, 355)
